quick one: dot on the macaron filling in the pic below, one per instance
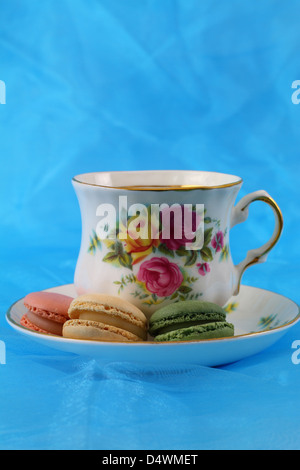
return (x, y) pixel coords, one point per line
(183, 320)
(213, 330)
(45, 324)
(96, 331)
(56, 317)
(113, 320)
(182, 325)
(30, 326)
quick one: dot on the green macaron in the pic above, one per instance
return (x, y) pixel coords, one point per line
(190, 320)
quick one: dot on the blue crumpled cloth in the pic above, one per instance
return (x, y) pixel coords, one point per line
(114, 85)
(56, 401)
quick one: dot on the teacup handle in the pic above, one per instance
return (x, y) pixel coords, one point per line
(240, 214)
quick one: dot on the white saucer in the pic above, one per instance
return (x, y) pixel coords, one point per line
(260, 318)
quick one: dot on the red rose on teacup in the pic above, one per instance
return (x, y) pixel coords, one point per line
(160, 276)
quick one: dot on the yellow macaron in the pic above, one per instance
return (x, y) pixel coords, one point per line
(101, 317)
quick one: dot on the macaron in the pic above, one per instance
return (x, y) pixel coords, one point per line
(190, 320)
(47, 312)
(101, 317)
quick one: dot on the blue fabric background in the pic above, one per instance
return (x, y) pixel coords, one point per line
(144, 84)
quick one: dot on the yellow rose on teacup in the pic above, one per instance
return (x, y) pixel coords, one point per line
(140, 238)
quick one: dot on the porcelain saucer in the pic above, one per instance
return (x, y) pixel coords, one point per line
(260, 318)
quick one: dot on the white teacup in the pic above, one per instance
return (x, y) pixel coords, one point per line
(125, 250)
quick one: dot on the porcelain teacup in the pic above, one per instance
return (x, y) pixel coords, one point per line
(156, 237)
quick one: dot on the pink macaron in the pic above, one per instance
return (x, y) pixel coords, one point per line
(47, 312)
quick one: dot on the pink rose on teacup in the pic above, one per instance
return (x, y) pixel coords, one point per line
(160, 276)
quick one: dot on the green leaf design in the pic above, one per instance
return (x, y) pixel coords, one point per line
(143, 296)
(165, 250)
(182, 251)
(174, 296)
(130, 278)
(191, 280)
(184, 289)
(206, 254)
(118, 247)
(191, 259)
(118, 256)
(207, 236)
(125, 260)
(110, 257)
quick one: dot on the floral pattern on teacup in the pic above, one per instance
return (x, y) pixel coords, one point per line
(151, 264)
